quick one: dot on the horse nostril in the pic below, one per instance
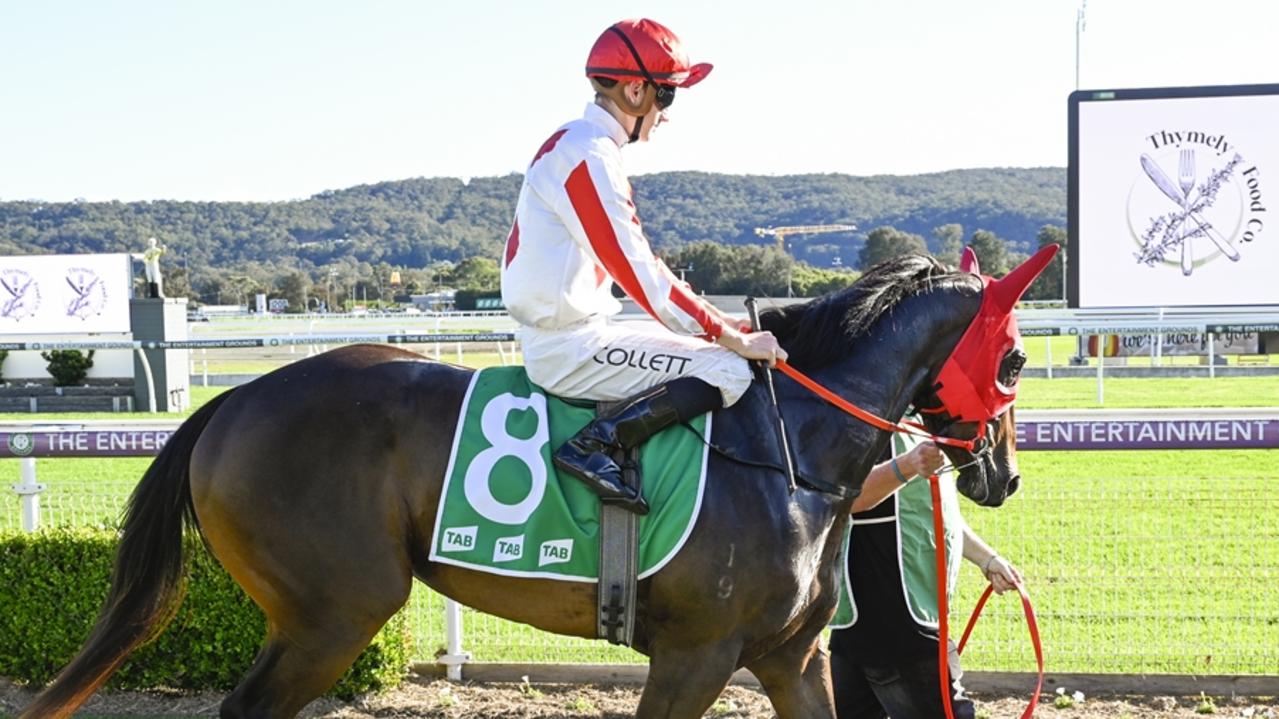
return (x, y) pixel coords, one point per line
(1014, 484)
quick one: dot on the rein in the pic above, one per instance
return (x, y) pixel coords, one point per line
(875, 420)
(943, 644)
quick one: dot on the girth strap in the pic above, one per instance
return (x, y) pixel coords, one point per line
(619, 560)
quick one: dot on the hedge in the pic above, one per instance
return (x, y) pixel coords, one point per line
(52, 584)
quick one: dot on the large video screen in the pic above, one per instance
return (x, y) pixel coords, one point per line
(1174, 197)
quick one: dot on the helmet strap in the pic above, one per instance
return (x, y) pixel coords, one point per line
(617, 94)
(635, 133)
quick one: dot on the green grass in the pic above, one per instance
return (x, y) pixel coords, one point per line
(1037, 350)
(1137, 561)
(1126, 392)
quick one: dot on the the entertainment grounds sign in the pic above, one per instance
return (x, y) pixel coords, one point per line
(1032, 434)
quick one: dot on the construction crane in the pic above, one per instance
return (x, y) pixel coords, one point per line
(781, 232)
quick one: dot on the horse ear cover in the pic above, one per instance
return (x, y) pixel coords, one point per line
(1013, 285)
(968, 261)
(967, 385)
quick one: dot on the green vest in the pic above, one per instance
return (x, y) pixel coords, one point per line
(916, 546)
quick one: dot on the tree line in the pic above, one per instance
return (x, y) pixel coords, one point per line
(343, 246)
(710, 267)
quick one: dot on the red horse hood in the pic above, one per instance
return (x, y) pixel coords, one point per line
(968, 384)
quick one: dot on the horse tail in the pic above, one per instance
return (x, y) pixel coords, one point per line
(148, 580)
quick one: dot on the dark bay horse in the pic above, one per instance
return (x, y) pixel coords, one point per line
(316, 486)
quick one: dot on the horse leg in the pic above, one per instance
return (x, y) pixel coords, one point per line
(325, 595)
(796, 676)
(685, 682)
(299, 661)
(288, 673)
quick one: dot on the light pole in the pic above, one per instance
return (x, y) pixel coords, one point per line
(1064, 298)
(1081, 24)
(790, 270)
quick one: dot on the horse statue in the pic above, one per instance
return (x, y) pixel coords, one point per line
(316, 487)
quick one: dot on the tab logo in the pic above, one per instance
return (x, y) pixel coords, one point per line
(556, 551)
(507, 549)
(459, 539)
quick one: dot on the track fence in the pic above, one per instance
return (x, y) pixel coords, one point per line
(1134, 567)
(1158, 575)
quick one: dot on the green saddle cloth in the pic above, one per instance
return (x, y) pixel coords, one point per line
(506, 510)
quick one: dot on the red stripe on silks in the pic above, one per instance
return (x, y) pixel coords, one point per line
(711, 326)
(599, 231)
(512, 243)
(600, 275)
(547, 146)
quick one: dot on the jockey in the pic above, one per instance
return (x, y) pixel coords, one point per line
(576, 233)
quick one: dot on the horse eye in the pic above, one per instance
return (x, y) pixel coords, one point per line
(1010, 367)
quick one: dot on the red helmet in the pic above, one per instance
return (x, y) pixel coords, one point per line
(643, 50)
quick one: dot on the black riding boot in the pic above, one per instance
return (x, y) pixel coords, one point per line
(587, 455)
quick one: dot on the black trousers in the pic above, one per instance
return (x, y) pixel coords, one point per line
(900, 689)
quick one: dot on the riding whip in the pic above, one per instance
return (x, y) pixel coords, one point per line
(752, 311)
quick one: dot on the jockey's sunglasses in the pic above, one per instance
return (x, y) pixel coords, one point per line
(665, 95)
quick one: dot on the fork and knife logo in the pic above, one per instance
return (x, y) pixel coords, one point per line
(85, 301)
(1191, 222)
(24, 294)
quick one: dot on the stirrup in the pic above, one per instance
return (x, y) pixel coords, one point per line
(590, 470)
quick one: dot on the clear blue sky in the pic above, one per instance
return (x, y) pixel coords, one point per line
(267, 100)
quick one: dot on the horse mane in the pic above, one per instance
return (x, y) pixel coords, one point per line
(821, 331)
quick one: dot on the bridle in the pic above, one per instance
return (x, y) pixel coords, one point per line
(983, 446)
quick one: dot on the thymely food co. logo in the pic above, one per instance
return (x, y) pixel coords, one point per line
(19, 294)
(88, 294)
(1194, 199)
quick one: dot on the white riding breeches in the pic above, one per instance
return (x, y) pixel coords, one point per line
(603, 360)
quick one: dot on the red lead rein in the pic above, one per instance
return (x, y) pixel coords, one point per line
(943, 645)
(872, 419)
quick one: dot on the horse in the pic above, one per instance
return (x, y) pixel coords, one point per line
(316, 486)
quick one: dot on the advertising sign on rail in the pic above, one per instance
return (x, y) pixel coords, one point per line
(1173, 197)
(64, 294)
(1193, 344)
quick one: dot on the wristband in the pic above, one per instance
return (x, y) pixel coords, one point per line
(985, 570)
(897, 471)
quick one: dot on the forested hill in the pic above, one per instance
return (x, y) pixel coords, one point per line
(418, 222)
